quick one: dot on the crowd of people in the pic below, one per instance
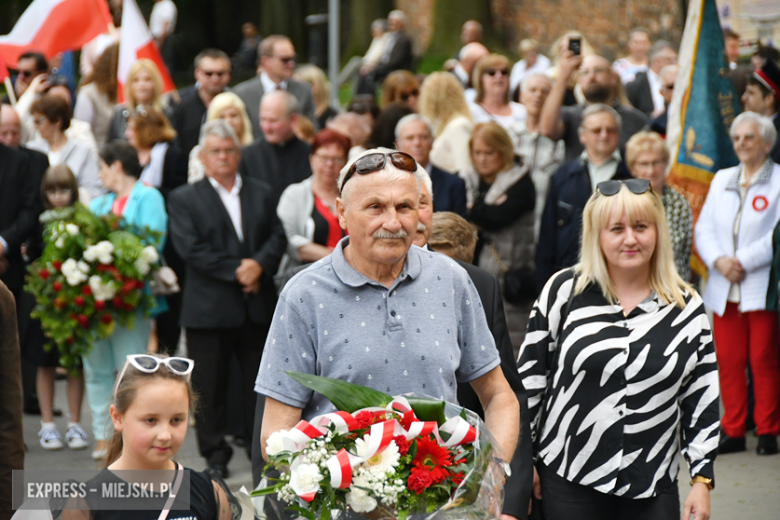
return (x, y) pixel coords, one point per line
(543, 181)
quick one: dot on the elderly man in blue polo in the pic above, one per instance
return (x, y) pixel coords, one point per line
(381, 312)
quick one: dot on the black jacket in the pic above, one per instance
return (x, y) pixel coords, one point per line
(775, 153)
(20, 205)
(203, 235)
(449, 192)
(188, 117)
(276, 165)
(174, 170)
(559, 235)
(640, 95)
(401, 57)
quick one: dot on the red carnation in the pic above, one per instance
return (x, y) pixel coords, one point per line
(44, 274)
(56, 286)
(83, 320)
(129, 306)
(86, 290)
(118, 303)
(129, 286)
(434, 458)
(100, 305)
(140, 284)
(420, 480)
(402, 443)
(364, 419)
(79, 301)
(70, 340)
(408, 419)
(57, 264)
(106, 318)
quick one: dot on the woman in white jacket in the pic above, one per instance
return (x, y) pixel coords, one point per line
(734, 239)
(308, 209)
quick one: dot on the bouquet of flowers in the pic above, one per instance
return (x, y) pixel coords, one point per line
(91, 275)
(385, 458)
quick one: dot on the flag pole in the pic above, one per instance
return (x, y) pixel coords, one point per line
(9, 88)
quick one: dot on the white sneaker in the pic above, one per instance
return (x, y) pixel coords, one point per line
(77, 439)
(99, 455)
(50, 437)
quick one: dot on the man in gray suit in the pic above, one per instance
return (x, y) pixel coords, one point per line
(277, 58)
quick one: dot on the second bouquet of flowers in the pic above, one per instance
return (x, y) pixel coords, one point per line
(384, 457)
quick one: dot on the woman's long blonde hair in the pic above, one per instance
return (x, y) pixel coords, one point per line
(150, 67)
(592, 268)
(442, 100)
(230, 100)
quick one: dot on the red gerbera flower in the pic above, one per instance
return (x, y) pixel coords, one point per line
(434, 458)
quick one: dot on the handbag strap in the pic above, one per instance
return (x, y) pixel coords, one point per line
(172, 495)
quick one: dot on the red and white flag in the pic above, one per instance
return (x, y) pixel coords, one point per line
(54, 26)
(136, 43)
(3, 70)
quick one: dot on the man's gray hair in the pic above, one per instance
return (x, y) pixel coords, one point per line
(390, 172)
(380, 23)
(291, 102)
(597, 108)
(426, 180)
(219, 128)
(529, 77)
(399, 15)
(765, 126)
(659, 46)
(408, 119)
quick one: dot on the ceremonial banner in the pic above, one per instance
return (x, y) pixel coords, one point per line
(135, 43)
(702, 109)
(54, 26)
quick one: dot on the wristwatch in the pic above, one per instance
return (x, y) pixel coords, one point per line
(698, 479)
(504, 465)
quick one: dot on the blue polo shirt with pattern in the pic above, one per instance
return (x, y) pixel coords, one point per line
(426, 333)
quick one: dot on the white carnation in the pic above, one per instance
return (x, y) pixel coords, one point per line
(305, 478)
(150, 255)
(73, 275)
(101, 291)
(83, 267)
(141, 266)
(359, 499)
(101, 252)
(275, 443)
(72, 229)
(60, 242)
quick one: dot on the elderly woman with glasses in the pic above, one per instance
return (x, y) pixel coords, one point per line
(647, 157)
(491, 81)
(734, 240)
(308, 209)
(618, 356)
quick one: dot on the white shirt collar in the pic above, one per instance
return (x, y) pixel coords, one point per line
(269, 85)
(221, 189)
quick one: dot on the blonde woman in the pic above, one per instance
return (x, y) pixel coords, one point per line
(491, 82)
(320, 91)
(143, 88)
(231, 108)
(618, 355)
(443, 103)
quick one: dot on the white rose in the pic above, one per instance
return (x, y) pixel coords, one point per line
(101, 291)
(60, 242)
(141, 266)
(150, 255)
(358, 499)
(104, 250)
(305, 479)
(83, 267)
(72, 229)
(275, 443)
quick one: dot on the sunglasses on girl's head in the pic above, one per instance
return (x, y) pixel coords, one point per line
(376, 161)
(635, 186)
(492, 72)
(150, 364)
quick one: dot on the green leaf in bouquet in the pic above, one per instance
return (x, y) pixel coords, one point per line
(266, 491)
(345, 396)
(428, 409)
(302, 511)
(402, 514)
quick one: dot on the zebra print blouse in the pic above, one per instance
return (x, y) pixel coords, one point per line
(606, 407)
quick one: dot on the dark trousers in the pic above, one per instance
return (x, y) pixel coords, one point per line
(564, 500)
(211, 349)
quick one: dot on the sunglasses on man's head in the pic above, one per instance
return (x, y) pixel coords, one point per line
(376, 161)
(635, 186)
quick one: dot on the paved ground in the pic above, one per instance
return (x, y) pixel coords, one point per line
(748, 486)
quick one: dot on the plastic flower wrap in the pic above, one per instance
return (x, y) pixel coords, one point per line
(91, 275)
(384, 457)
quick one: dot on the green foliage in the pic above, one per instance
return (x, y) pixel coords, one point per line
(344, 395)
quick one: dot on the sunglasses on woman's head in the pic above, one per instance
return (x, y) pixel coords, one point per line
(151, 364)
(635, 186)
(376, 161)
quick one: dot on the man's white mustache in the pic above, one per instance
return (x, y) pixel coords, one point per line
(386, 234)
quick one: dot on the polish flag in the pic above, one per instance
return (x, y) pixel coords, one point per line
(54, 26)
(136, 43)
(3, 70)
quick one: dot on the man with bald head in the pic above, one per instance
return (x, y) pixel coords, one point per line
(278, 158)
(599, 85)
(469, 56)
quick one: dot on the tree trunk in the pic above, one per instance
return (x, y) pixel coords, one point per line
(448, 19)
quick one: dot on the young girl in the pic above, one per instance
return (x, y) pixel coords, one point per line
(59, 189)
(153, 400)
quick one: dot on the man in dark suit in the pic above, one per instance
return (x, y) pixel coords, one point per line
(571, 187)
(762, 96)
(398, 55)
(277, 58)
(226, 230)
(668, 77)
(212, 75)
(414, 135)
(644, 92)
(278, 158)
